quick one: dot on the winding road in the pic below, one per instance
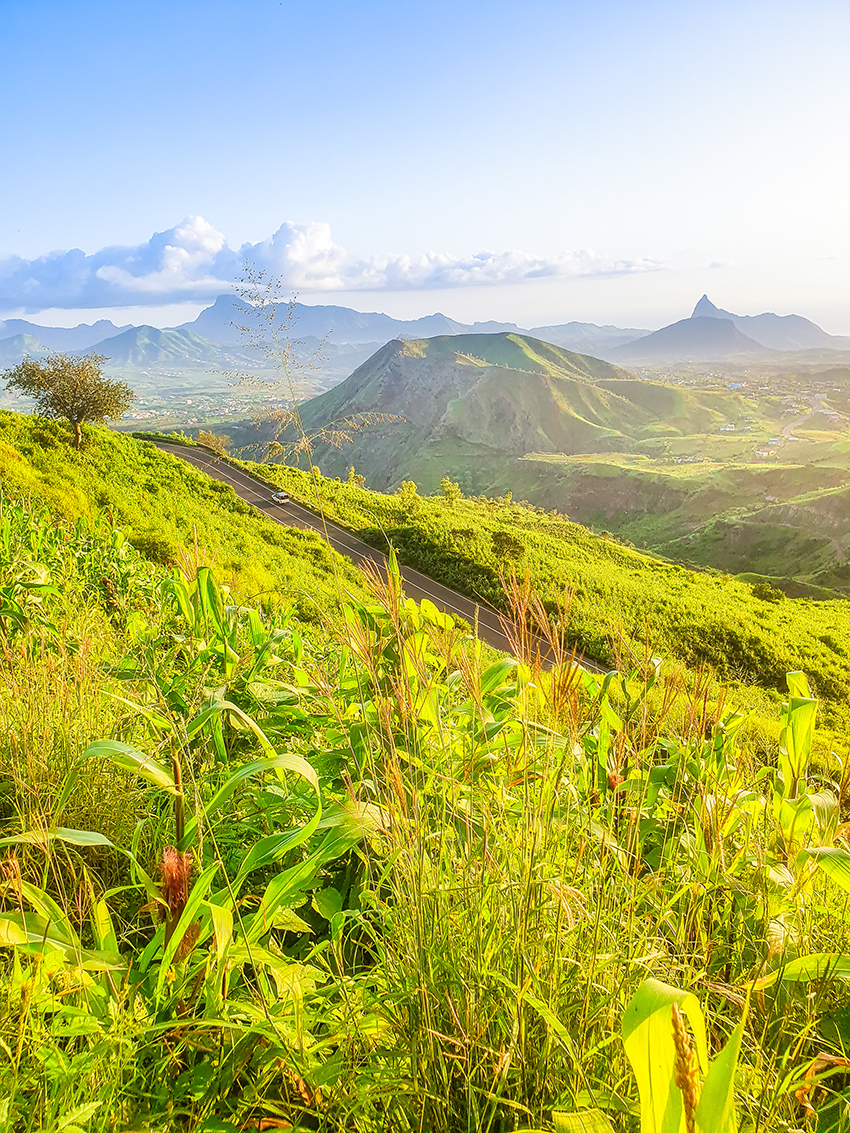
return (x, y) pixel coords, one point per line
(416, 585)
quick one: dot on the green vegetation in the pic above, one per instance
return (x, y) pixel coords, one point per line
(329, 865)
(746, 476)
(73, 389)
(258, 879)
(173, 513)
(623, 602)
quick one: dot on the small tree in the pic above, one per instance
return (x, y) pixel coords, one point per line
(408, 498)
(71, 388)
(451, 492)
(355, 480)
(218, 442)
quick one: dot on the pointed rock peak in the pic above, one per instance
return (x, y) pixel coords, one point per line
(705, 307)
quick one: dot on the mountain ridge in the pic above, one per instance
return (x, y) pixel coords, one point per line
(84, 336)
(775, 332)
(698, 338)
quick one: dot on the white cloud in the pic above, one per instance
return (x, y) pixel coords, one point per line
(193, 262)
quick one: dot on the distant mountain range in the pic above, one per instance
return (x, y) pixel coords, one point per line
(213, 339)
(776, 332)
(221, 322)
(81, 337)
(695, 339)
(712, 333)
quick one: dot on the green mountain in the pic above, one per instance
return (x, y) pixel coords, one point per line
(471, 406)
(145, 346)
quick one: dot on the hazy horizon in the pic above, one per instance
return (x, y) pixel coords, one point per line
(601, 163)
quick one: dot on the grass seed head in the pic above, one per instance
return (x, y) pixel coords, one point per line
(686, 1071)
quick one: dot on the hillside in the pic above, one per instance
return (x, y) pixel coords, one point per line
(270, 872)
(696, 338)
(472, 405)
(620, 598)
(167, 507)
(145, 346)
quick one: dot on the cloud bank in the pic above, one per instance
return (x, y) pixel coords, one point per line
(193, 262)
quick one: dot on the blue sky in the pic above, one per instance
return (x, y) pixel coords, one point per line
(600, 160)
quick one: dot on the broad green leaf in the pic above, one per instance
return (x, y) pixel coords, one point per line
(715, 1111)
(798, 685)
(81, 1113)
(834, 862)
(210, 599)
(287, 920)
(587, 1121)
(130, 759)
(497, 675)
(286, 886)
(12, 933)
(647, 1029)
(81, 837)
(62, 833)
(266, 851)
(222, 919)
(103, 928)
(817, 966)
(328, 902)
(19, 929)
(51, 913)
(795, 739)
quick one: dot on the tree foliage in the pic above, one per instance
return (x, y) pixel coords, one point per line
(506, 545)
(71, 388)
(218, 442)
(409, 497)
(451, 492)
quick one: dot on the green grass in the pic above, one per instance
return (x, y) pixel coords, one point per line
(622, 599)
(169, 507)
(504, 854)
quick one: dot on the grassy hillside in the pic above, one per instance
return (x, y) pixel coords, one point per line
(255, 881)
(622, 599)
(470, 406)
(169, 508)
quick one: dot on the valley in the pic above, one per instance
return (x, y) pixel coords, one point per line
(743, 468)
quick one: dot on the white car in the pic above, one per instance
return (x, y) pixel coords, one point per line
(281, 497)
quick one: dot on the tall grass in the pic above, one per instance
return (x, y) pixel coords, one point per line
(421, 887)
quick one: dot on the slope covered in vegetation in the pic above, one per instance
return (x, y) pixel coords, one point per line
(256, 878)
(622, 600)
(474, 405)
(170, 510)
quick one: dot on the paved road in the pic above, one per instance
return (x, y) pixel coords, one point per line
(416, 585)
(815, 407)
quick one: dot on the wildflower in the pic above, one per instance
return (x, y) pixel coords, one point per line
(176, 870)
